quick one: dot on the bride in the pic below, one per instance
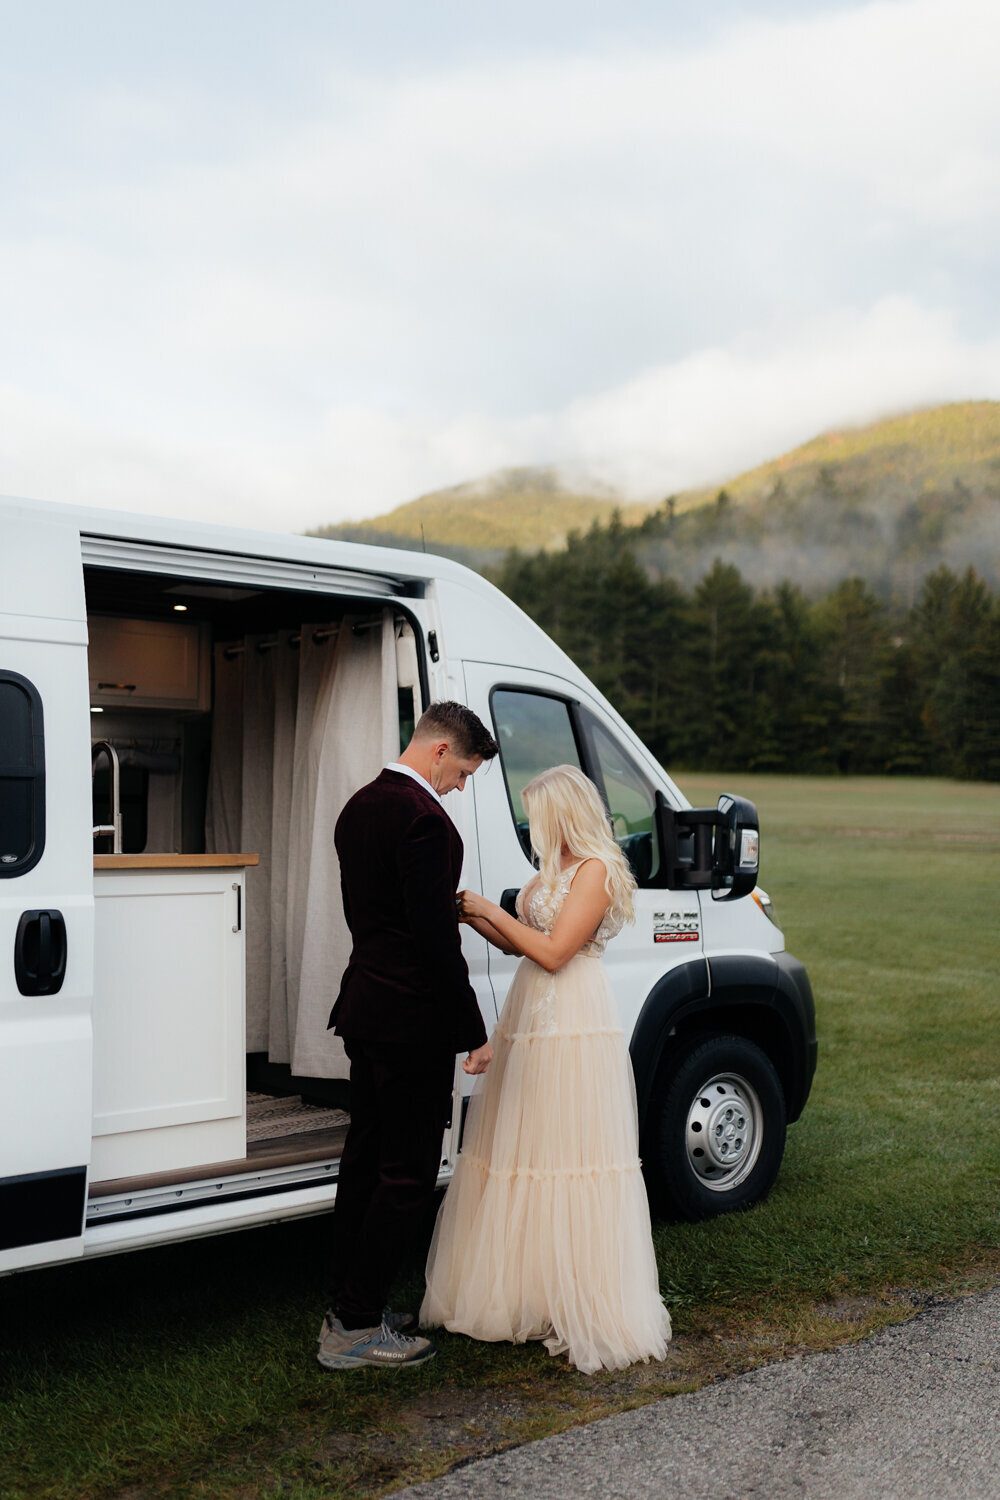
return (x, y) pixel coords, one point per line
(544, 1232)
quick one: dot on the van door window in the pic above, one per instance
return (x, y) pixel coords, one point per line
(534, 731)
(22, 776)
(630, 799)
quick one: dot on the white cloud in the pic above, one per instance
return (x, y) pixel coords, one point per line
(699, 420)
(742, 406)
(661, 266)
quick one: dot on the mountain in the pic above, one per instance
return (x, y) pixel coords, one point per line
(530, 508)
(917, 452)
(888, 502)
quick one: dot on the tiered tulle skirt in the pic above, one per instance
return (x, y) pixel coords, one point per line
(544, 1232)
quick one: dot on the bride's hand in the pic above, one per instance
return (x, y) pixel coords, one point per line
(471, 904)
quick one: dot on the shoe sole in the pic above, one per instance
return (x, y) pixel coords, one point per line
(351, 1362)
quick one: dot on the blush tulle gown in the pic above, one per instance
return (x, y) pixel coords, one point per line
(544, 1232)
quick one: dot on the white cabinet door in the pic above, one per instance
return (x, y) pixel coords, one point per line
(149, 663)
(46, 883)
(169, 1086)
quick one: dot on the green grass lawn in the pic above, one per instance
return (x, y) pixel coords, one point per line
(189, 1372)
(888, 891)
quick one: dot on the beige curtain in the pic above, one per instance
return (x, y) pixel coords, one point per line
(354, 731)
(317, 668)
(286, 695)
(223, 810)
(259, 671)
(295, 734)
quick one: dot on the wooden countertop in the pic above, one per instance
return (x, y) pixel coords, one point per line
(174, 861)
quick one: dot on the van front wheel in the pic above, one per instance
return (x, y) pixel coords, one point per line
(715, 1133)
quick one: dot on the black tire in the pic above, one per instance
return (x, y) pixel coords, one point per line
(723, 1091)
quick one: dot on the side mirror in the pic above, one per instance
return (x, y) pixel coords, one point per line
(737, 848)
(713, 849)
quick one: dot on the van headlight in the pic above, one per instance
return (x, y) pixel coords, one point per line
(765, 903)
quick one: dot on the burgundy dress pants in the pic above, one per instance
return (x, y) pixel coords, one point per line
(400, 1104)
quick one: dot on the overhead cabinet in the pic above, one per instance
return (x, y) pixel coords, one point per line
(149, 663)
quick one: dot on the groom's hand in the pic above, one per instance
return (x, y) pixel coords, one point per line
(479, 1060)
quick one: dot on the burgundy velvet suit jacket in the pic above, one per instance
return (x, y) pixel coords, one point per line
(407, 983)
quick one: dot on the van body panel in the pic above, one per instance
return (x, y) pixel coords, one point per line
(41, 577)
(461, 808)
(734, 927)
(46, 1038)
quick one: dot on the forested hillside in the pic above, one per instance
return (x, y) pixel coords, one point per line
(721, 675)
(889, 502)
(836, 609)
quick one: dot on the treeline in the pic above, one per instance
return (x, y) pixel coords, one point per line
(726, 676)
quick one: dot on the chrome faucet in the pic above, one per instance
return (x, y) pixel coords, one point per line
(99, 748)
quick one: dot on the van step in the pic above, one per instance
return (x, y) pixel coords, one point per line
(299, 1150)
(148, 1199)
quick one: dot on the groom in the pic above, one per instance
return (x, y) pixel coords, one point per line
(405, 1008)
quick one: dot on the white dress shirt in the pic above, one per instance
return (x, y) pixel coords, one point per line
(394, 765)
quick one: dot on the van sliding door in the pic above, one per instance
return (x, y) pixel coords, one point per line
(46, 891)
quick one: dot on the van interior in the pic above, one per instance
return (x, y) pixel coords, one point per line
(235, 721)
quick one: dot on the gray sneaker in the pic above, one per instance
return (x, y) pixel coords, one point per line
(343, 1348)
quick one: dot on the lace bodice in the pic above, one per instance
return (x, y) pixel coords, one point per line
(539, 907)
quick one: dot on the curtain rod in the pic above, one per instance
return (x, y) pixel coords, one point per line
(324, 633)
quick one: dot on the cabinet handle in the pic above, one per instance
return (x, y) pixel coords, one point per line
(239, 907)
(116, 687)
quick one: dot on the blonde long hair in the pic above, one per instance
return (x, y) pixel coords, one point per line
(563, 807)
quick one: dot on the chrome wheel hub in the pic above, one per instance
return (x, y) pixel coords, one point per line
(724, 1132)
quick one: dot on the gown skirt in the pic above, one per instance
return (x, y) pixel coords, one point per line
(544, 1232)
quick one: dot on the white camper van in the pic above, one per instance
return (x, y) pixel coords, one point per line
(184, 709)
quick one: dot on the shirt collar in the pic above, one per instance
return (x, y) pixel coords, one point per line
(422, 781)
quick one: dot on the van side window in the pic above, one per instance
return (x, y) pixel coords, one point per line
(534, 731)
(630, 799)
(22, 776)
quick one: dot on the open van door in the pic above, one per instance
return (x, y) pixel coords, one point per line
(46, 891)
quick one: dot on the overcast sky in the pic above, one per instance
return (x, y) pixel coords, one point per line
(295, 262)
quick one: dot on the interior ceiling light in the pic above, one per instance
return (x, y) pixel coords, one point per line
(180, 608)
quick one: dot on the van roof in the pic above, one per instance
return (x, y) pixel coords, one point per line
(386, 562)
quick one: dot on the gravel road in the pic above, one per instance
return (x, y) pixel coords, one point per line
(913, 1412)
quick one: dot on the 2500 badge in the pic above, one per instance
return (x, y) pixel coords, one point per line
(675, 927)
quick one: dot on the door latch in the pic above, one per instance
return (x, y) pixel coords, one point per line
(40, 952)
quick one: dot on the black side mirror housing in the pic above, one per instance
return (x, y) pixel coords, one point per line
(713, 849)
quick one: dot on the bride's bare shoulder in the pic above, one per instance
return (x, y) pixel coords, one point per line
(590, 872)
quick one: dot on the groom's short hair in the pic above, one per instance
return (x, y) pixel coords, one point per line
(465, 733)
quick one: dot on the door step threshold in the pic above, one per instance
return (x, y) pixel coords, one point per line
(113, 1201)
